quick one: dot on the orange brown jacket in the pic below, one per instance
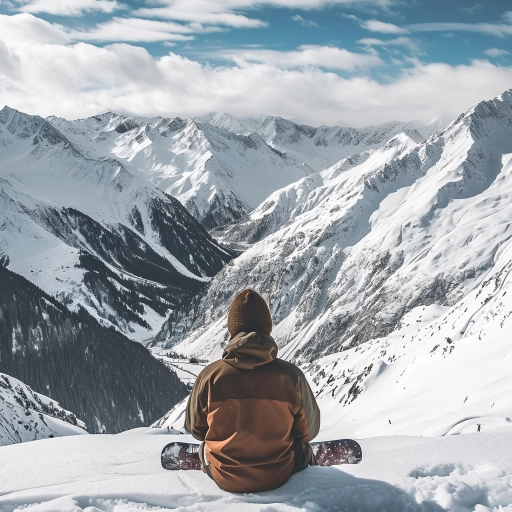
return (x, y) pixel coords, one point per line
(251, 410)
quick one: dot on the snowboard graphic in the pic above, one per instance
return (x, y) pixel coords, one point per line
(185, 456)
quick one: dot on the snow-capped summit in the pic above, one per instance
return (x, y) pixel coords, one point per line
(219, 175)
(225, 121)
(321, 147)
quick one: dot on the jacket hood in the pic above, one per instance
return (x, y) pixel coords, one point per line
(249, 350)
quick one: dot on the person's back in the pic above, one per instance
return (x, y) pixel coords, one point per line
(255, 413)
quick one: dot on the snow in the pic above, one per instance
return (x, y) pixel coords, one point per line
(321, 147)
(400, 255)
(443, 371)
(122, 473)
(185, 370)
(213, 172)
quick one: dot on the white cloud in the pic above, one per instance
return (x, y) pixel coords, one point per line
(406, 42)
(495, 29)
(136, 29)
(328, 57)
(495, 52)
(376, 25)
(27, 29)
(306, 23)
(210, 15)
(69, 7)
(77, 80)
(225, 12)
(9, 63)
(383, 27)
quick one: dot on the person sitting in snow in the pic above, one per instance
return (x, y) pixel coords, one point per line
(255, 413)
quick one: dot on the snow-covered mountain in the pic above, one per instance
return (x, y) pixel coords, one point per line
(217, 174)
(27, 416)
(323, 146)
(93, 233)
(345, 254)
(220, 167)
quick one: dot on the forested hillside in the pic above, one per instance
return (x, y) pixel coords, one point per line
(109, 381)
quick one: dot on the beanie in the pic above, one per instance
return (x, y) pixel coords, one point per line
(249, 312)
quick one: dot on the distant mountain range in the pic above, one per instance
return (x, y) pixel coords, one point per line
(321, 147)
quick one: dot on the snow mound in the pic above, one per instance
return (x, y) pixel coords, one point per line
(123, 474)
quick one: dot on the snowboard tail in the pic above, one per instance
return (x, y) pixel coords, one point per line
(341, 451)
(176, 456)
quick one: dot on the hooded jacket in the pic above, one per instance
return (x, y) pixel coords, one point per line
(251, 410)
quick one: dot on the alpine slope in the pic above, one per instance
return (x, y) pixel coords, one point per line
(387, 282)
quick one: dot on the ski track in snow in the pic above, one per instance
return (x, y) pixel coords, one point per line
(122, 473)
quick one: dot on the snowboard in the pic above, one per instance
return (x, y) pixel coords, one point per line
(185, 456)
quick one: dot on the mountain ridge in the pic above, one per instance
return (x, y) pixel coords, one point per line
(58, 203)
(372, 242)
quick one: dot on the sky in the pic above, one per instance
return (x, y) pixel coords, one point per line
(352, 62)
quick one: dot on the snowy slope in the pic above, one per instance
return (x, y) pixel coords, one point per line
(443, 371)
(88, 230)
(27, 416)
(122, 473)
(343, 256)
(184, 369)
(217, 174)
(323, 146)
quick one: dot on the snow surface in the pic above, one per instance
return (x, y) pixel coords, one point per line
(443, 371)
(185, 370)
(122, 473)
